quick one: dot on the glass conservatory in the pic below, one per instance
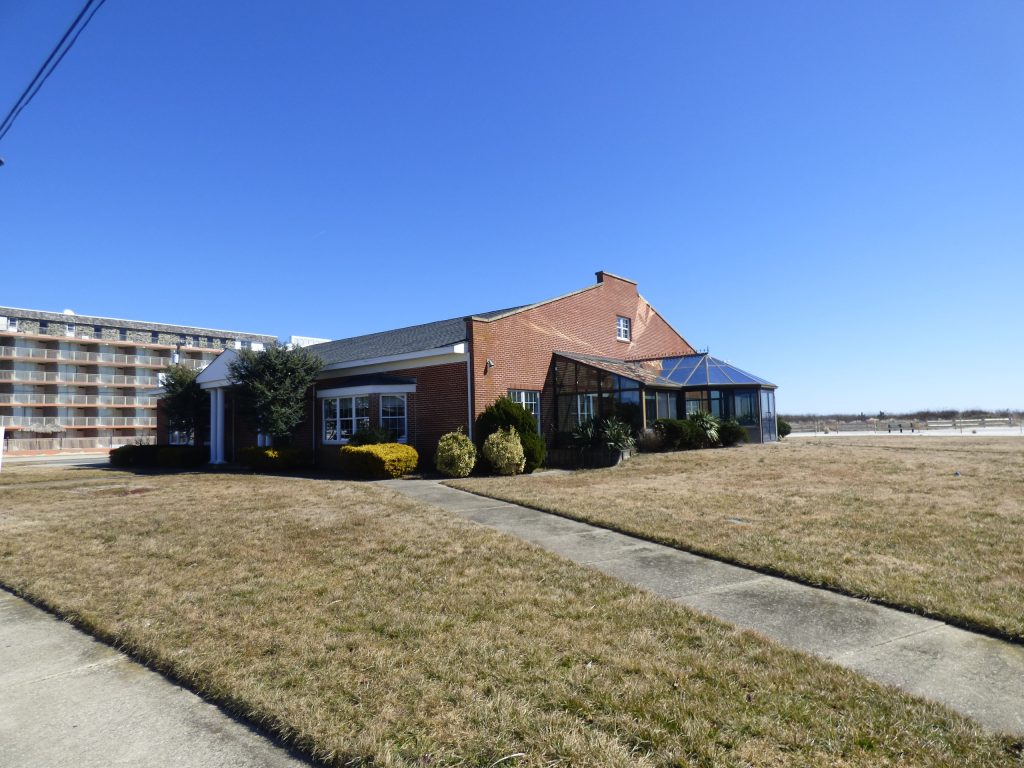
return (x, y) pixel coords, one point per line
(642, 391)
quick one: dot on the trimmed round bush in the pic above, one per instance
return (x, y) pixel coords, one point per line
(505, 413)
(456, 455)
(504, 451)
(783, 427)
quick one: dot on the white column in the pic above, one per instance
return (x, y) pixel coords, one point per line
(220, 426)
(213, 425)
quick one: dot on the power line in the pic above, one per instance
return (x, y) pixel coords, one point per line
(57, 55)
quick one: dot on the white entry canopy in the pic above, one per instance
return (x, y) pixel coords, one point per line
(217, 373)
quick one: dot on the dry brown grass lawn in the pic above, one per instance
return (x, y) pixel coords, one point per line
(368, 629)
(884, 518)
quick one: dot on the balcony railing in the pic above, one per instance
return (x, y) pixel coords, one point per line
(76, 400)
(90, 335)
(70, 355)
(47, 424)
(45, 377)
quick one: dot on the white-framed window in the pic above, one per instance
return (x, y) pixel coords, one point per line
(179, 437)
(585, 408)
(344, 416)
(393, 416)
(623, 328)
(529, 399)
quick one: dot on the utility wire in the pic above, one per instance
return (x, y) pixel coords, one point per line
(52, 62)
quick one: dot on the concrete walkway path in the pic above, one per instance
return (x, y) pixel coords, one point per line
(978, 676)
(69, 700)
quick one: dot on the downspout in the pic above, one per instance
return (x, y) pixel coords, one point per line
(469, 377)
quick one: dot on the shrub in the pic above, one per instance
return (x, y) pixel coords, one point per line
(378, 461)
(675, 433)
(587, 434)
(503, 413)
(650, 441)
(784, 428)
(611, 433)
(274, 459)
(731, 432)
(456, 455)
(371, 436)
(504, 451)
(122, 457)
(704, 429)
(616, 435)
(681, 434)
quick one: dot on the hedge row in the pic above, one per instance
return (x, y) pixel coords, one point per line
(152, 456)
(687, 434)
(275, 459)
(378, 461)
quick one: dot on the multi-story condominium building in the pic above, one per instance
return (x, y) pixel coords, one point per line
(71, 382)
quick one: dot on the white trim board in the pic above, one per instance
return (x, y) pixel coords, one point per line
(360, 367)
(367, 389)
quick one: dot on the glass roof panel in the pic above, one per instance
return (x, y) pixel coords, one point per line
(704, 370)
(682, 370)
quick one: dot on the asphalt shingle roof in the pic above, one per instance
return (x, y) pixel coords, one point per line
(415, 338)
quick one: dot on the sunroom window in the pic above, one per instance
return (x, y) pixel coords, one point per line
(585, 408)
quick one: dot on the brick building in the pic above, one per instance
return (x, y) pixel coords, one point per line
(600, 351)
(74, 382)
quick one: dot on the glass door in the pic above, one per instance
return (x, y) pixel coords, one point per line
(769, 427)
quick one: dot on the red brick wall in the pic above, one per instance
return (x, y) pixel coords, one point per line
(438, 405)
(521, 345)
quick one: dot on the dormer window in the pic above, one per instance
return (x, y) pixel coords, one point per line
(623, 329)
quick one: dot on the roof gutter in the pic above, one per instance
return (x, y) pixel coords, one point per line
(452, 349)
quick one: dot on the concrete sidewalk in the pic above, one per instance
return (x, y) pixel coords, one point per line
(69, 700)
(978, 676)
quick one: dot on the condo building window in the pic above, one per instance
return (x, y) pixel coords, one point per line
(392, 416)
(344, 416)
(623, 328)
(529, 399)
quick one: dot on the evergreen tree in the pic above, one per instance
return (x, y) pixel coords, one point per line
(183, 400)
(272, 386)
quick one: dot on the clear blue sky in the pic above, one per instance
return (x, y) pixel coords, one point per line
(830, 195)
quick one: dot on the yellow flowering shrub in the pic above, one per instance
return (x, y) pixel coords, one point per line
(378, 461)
